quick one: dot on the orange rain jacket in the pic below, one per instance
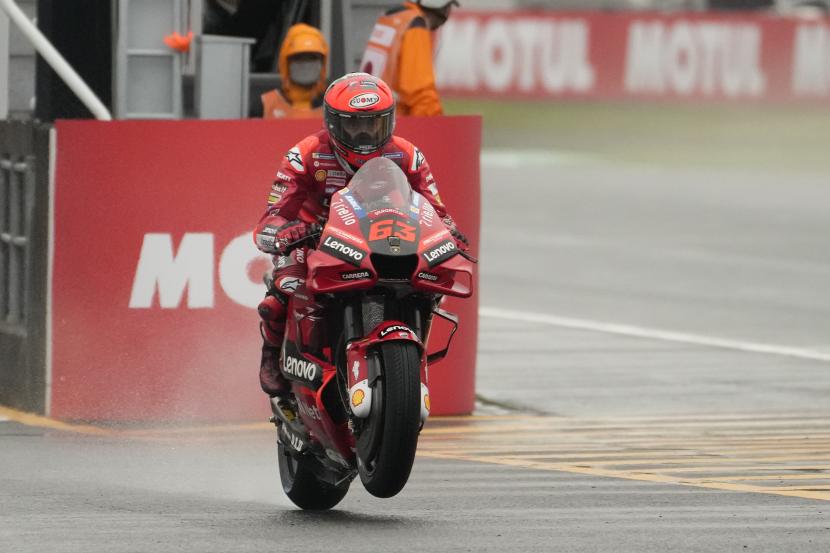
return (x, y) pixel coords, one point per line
(294, 100)
(400, 52)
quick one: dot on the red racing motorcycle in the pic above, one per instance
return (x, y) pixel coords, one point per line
(355, 343)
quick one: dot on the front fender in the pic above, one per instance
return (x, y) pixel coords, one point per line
(361, 375)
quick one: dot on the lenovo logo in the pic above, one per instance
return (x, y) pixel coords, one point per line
(300, 368)
(341, 250)
(440, 253)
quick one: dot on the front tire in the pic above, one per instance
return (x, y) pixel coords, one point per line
(302, 487)
(394, 422)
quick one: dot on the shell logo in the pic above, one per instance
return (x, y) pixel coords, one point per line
(357, 398)
(365, 100)
(426, 402)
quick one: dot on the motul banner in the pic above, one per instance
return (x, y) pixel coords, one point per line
(156, 278)
(634, 56)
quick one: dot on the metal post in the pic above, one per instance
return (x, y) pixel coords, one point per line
(14, 253)
(326, 28)
(27, 204)
(5, 39)
(5, 207)
(17, 191)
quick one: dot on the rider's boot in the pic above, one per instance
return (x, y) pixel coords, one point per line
(271, 378)
(273, 382)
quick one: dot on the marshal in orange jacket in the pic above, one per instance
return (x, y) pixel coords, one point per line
(400, 52)
(293, 100)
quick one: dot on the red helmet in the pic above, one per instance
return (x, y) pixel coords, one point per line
(359, 113)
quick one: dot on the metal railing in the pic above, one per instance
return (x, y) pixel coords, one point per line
(17, 190)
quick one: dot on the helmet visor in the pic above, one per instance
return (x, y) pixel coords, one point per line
(362, 134)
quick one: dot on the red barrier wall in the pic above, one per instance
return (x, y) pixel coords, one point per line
(623, 56)
(130, 197)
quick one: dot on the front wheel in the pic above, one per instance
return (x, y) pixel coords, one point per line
(302, 487)
(386, 447)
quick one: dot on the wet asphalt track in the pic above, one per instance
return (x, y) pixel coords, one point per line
(723, 254)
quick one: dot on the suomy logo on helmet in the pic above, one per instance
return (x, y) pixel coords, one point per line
(364, 100)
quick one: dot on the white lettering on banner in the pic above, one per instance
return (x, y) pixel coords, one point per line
(565, 61)
(233, 271)
(811, 61)
(190, 269)
(686, 58)
(526, 36)
(500, 53)
(497, 48)
(455, 65)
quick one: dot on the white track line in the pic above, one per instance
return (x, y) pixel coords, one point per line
(4, 419)
(504, 158)
(652, 334)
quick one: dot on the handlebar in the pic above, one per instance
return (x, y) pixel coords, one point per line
(467, 256)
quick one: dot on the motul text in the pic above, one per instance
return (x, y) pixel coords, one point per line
(619, 56)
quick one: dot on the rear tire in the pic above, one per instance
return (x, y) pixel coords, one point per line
(395, 420)
(301, 485)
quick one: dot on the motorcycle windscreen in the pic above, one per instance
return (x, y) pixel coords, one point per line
(389, 216)
(380, 184)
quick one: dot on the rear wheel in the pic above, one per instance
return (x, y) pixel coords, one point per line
(387, 444)
(301, 485)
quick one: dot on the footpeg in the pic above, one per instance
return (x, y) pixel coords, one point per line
(283, 411)
(290, 431)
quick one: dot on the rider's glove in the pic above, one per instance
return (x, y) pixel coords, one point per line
(291, 232)
(460, 239)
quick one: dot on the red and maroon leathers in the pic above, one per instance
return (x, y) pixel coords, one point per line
(308, 176)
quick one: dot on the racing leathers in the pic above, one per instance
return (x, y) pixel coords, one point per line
(308, 176)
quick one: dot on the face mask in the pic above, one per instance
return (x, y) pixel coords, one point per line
(305, 72)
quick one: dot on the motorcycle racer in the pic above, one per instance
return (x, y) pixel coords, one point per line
(359, 119)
